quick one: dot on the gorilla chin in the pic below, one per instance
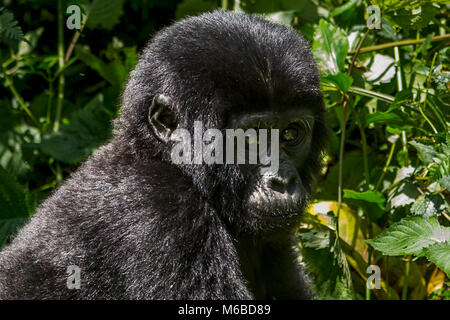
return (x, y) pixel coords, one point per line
(276, 209)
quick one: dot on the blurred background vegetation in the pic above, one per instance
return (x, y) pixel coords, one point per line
(383, 196)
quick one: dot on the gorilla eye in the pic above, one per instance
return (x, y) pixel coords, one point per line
(293, 134)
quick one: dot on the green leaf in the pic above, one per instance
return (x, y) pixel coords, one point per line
(405, 194)
(330, 45)
(342, 80)
(368, 196)
(88, 129)
(410, 236)
(103, 14)
(193, 7)
(9, 27)
(381, 69)
(414, 19)
(32, 37)
(424, 152)
(14, 205)
(428, 205)
(326, 263)
(282, 17)
(380, 117)
(445, 182)
(439, 254)
(402, 158)
(316, 239)
(349, 6)
(113, 72)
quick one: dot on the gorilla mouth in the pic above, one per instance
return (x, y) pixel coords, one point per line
(282, 215)
(271, 210)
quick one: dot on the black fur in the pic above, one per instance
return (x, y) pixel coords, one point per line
(140, 227)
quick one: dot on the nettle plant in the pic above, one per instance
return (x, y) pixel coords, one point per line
(387, 99)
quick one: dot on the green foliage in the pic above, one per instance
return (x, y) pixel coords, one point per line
(320, 251)
(103, 14)
(85, 132)
(8, 26)
(15, 206)
(410, 236)
(194, 7)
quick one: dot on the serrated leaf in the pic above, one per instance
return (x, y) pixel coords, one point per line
(326, 264)
(445, 182)
(410, 236)
(439, 254)
(9, 27)
(330, 45)
(416, 19)
(405, 194)
(114, 72)
(425, 153)
(381, 69)
(428, 205)
(316, 239)
(14, 205)
(403, 173)
(88, 129)
(103, 14)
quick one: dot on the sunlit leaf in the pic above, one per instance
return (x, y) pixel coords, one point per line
(410, 236)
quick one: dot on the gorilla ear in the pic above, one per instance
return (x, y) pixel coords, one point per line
(161, 117)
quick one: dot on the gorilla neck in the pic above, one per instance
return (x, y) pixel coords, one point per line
(263, 262)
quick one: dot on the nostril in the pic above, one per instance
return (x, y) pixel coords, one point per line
(277, 185)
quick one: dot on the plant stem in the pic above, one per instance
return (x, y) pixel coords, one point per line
(341, 159)
(405, 282)
(225, 4)
(61, 80)
(17, 95)
(399, 89)
(365, 154)
(51, 93)
(343, 131)
(387, 275)
(369, 262)
(21, 102)
(75, 38)
(426, 95)
(445, 37)
(372, 94)
(386, 166)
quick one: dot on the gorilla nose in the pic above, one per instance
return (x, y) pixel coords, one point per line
(283, 185)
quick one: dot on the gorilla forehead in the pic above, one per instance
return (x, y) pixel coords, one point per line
(210, 56)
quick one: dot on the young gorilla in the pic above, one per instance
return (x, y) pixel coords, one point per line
(140, 227)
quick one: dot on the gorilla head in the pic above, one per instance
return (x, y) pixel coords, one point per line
(232, 71)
